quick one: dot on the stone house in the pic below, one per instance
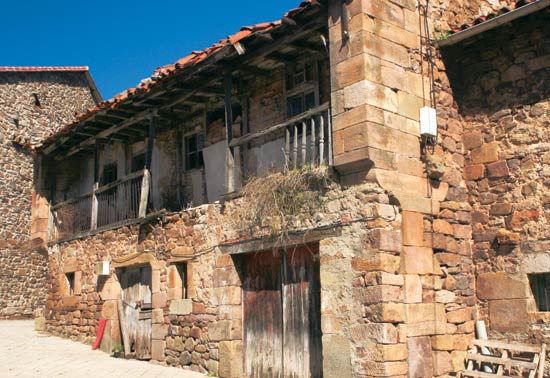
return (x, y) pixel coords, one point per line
(34, 102)
(270, 207)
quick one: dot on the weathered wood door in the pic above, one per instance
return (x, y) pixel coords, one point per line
(282, 314)
(137, 311)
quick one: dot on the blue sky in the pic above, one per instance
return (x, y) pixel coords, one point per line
(122, 41)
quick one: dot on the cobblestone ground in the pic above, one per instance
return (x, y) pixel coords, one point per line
(25, 353)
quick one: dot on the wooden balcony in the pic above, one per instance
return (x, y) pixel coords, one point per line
(306, 139)
(104, 207)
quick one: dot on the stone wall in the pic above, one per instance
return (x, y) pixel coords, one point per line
(380, 82)
(32, 106)
(359, 262)
(501, 82)
(24, 280)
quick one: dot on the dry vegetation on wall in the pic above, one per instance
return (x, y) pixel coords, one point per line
(282, 202)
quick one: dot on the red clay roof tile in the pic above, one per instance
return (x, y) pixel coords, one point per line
(164, 72)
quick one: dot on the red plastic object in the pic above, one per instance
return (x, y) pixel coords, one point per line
(100, 331)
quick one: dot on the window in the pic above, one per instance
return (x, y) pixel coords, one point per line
(70, 283)
(193, 151)
(177, 281)
(109, 173)
(298, 104)
(540, 286)
(138, 163)
(302, 90)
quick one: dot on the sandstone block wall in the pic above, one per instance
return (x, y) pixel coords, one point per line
(380, 82)
(501, 82)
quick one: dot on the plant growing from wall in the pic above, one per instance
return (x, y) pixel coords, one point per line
(279, 203)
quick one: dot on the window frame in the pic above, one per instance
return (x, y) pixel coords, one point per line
(303, 88)
(199, 140)
(539, 283)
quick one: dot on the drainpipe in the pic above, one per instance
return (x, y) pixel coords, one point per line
(494, 22)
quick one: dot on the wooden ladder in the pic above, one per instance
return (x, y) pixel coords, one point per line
(504, 360)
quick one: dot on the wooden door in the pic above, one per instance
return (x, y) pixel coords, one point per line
(263, 336)
(282, 314)
(302, 352)
(136, 311)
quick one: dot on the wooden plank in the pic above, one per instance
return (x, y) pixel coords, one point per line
(312, 146)
(304, 143)
(301, 292)
(118, 182)
(295, 147)
(144, 330)
(504, 361)
(480, 374)
(123, 325)
(541, 361)
(262, 317)
(509, 346)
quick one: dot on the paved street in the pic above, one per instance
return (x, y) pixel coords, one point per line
(25, 353)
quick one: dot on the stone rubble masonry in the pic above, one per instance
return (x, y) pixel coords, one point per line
(398, 292)
(204, 332)
(505, 101)
(23, 281)
(60, 96)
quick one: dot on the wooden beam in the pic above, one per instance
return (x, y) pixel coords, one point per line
(280, 57)
(256, 71)
(289, 21)
(199, 69)
(308, 46)
(230, 159)
(111, 130)
(265, 36)
(150, 143)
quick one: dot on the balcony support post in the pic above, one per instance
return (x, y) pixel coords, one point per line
(93, 217)
(230, 152)
(146, 180)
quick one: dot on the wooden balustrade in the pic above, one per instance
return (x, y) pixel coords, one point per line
(307, 138)
(105, 206)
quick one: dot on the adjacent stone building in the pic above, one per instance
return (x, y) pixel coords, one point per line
(269, 207)
(34, 102)
(501, 84)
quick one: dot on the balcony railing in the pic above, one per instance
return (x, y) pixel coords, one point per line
(307, 138)
(73, 216)
(120, 201)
